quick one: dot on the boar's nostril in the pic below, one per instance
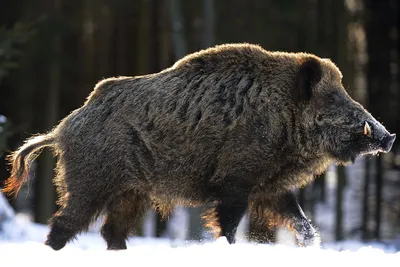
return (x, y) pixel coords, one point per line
(367, 129)
(387, 142)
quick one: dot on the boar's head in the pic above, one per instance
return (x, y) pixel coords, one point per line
(339, 125)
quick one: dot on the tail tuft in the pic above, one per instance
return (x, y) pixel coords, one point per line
(21, 161)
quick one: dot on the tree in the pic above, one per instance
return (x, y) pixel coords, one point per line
(11, 45)
(13, 42)
(381, 20)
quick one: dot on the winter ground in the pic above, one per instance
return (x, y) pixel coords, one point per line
(88, 251)
(25, 248)
(21, 243)
(219, 253)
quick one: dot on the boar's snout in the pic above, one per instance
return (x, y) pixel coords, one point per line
(379, 134)
(387, 142)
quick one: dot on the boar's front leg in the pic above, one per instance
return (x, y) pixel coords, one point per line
(224, 217)
(288, 212)
(270, 212)
(230, 214)
(260, 231)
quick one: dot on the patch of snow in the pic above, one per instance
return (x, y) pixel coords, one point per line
(354, 246)
(21, 242)
(6, 211)
(24, 247)
(89, 250)
(20, 229)
(178, 223)
(3, 119)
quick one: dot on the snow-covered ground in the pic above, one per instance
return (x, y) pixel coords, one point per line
(90, 251)
(23, 246)
(21, 243)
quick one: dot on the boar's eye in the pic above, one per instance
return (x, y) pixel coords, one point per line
(332, 99)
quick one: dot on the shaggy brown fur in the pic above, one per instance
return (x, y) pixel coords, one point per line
(233, 126)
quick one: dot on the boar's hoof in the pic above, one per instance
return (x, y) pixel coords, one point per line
(117, 246)
(54, 244)
(58, 237)
(307, 236)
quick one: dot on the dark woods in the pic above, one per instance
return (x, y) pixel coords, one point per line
(53, 52)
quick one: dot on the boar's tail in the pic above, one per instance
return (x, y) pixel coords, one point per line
(21, 161)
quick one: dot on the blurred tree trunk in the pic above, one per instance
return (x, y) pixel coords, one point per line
(209, 23)
(318, 191)
(143, 41)
(45, 200)
(357, 50)
(121, 53)
(87, 53)
(365, 202)
(324, 28)
(339, 55)
(358, 58)
(178, 38)
(164, 36)
(154, 49)
(378, 197)
(104, 33)
(320, 187)
(379, 25)
(341, 183)
(381, 20)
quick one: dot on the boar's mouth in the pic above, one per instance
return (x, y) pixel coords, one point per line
(370, 139)
(379, 140)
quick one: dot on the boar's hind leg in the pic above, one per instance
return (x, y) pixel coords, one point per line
(225, 217)
(294, 218)
(124, 213)
(73, 217)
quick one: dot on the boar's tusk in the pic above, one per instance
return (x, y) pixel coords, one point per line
(367, 129)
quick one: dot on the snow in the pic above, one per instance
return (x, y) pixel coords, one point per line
(26, 248)
(150, 252)
(5, 210)
(21, 243)
(3, 119)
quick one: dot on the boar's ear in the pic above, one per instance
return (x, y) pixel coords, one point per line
(308, 75)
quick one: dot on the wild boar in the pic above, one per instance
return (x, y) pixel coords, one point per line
(234, 127)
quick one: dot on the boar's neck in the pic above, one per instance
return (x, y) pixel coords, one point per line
(291, 157)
